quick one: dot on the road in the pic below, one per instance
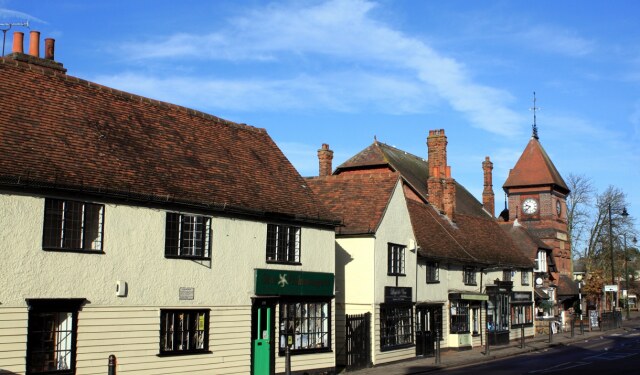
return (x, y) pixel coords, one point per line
(609, 354)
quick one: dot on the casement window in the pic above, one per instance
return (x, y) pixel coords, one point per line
(184, 331)
(433, 275)
(525, 277)
(51, 336)
(506, 275)
(395, 260)
(309, 324)
(283, 243)
(459, 317)
(396, 326)
(188, 236)
(72, 225)
(521, 314)
(469, 276)
(541, 261)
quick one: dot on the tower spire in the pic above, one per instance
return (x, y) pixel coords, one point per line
(534, 109)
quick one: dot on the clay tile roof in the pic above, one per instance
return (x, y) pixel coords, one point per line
(359, 199)
(524, 240)
(566, 286)
(62, 132)
(535, 168)
(471, 239)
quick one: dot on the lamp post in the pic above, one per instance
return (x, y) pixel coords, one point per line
(579, 278)
(626, 266)
(613, 277)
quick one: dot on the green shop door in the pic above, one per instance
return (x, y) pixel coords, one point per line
(263, 315)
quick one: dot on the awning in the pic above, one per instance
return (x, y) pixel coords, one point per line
(469, 296)
(541, 294)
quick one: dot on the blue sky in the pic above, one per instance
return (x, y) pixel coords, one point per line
(342, 72)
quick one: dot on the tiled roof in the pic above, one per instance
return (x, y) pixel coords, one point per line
(567, 286)
(470, 239)
(414, 171)
(524, 240)
(535, 168)
(61, 132)
(359, 199)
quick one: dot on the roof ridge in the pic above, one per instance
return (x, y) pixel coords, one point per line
(13, 63)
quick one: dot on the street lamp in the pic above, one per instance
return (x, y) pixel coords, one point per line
(579, 278)
(626, 267)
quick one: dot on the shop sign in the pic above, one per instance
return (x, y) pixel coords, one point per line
(610, 288)
(521, 297)
(293, 283)
(394, 294)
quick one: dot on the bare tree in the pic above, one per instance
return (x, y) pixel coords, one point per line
(579, 208)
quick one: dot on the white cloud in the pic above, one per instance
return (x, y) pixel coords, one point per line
(557, 40)
(8, 15)
(346, 33)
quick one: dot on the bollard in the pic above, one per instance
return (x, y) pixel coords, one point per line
(522, 336)
(581, 328)
(487, 350)
(112, 365)
(287, 361)
(573, 323)
(550, 332)
(437, 347)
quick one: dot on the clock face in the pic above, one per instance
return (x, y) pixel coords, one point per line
(530, 206)
(558, 207)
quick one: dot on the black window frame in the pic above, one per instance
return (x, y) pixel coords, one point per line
(506, 275)
(43, 312)
(293, 324)
(433, 272)
(181, 242)
(525, 277)
(469, 276)
(67, 226)
(193, 317)
(284, 249)
(395, 320)
(396, 257)
(459, 317)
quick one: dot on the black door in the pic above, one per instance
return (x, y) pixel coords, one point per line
(428, 326)
(358, 341)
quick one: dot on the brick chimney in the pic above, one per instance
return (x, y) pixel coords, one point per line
(488, 198)
(325, 156)
(440, 185)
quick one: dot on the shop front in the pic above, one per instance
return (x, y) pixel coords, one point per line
(290, 308)
(396, 319)
(498, 311)
(465, 318)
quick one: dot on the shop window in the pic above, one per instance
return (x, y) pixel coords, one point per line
(433, 275)
(396, 326)
(459, 317)
(51, 336)
(395, 260)
(72, 225)
(187, 236)
(498, 313)
(309, 324)
(521, 315)
(475, 323)
(184, 331)
(469, 276)
(283, 243)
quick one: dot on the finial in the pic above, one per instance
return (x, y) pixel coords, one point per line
(534, 109)
(375, 139)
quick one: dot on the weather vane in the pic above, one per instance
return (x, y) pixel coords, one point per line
(6, 26)
(534, 109)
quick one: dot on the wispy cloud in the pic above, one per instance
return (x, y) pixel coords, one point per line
(344, 33)
(558, 40)
(8, 15)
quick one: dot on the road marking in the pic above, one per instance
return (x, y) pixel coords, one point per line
(560, 367)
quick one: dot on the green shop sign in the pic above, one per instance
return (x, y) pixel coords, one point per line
(293, 283)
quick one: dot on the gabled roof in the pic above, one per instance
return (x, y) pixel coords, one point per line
(524, 240)
(471, 239)
(359, 199)
(535, 168)
(413, 169)
(62, 133)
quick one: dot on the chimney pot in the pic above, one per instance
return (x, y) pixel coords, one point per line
(18, 42)
(34, 43)
(49, 48)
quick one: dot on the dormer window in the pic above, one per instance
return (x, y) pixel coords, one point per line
(541, 261)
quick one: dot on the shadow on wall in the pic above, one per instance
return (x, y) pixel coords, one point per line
(5, 372)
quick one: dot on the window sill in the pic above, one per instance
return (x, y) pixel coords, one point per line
(433, 281)
(474, 284)
(281, 353)
(77, 251)
(460, 333)
(283, 262)
(397, 274)
(186, 257)
(175, 354)
(396, 347)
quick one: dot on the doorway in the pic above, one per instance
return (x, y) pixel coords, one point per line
(262, 336)
(428, 326)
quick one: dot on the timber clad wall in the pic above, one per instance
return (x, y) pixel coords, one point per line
(13, 338)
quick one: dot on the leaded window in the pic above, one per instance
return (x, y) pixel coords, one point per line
(184, 331)
(396, 326)
(309, 324)
(459, 317)
(72, 225)
(283, 243)
(469, 276)
(395, 260)
(433, 275)
(506, 275)
(188, 236)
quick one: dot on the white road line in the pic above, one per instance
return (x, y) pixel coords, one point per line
(562, 366)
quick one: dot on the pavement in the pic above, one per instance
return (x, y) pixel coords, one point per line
(454, 358)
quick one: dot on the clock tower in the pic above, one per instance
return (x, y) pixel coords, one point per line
(537, 199)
